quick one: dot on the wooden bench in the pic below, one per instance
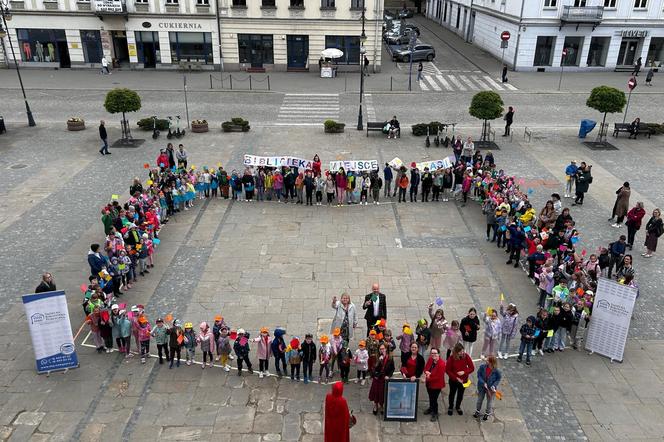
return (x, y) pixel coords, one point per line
(378, 126)
(625, 127)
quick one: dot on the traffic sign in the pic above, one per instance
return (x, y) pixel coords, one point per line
(631, 84)
(505, 36)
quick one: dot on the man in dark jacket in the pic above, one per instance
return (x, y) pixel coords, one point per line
(414, 182)
(95, 260)
(387, 173)
(517, 237)
(375, 306)
(46, 285)
(583, 181)
(309, 356)
(104, 138)
(427, 183)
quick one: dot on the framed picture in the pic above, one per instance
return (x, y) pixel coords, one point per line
(401, 400)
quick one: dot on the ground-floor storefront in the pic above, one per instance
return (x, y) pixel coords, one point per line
(538, 46)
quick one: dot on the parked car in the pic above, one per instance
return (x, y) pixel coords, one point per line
(420, 52)
(396, 30)
(406, 13)
(387, 15)
(400, 39)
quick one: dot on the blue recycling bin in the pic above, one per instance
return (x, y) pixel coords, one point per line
(586, 127)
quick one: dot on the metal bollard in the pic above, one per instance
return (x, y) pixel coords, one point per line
(249, 81)
(390, 83)
(231, 77)
(210, 81)
(268, 82)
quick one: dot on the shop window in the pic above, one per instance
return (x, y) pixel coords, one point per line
(544, 51)
(255, 48)
(297, 3)
(191, 46)
(580, 3)
(610, 4)
(550, 3)
(599, 47)
(573, 46)
(147, 48)
(655, 52)
(327, 4)
(91, 42)
(350, 46)
(640, 4)
(40, 45)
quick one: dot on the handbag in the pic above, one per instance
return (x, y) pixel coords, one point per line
(352, 420)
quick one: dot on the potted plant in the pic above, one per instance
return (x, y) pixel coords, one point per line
(75, 123)
(199, 126)
(236, 124)
(332, 127)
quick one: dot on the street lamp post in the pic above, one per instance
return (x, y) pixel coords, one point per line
(363, 51)
(6, 14)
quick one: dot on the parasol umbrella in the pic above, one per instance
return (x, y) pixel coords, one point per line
(332, 53)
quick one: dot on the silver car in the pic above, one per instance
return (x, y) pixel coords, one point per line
(420, 52)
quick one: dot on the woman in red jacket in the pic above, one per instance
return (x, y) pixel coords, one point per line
(434, 379)
(458, 367)
(634, 218)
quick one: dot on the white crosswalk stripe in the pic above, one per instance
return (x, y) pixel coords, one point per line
(308, 109)
(464, 81)
(433, 84)
(371, 110)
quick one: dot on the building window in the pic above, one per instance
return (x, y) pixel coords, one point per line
(268, 4)
(458, 16)
(297, 3)
(640, 4)
(203, 2)
(240, 3)
(580, 3)
(599, 47)
(356, 4)
(544, 51)
(445, 13)
(172, 2)
(191, 46)
(573, 46)
(141, 1)
(255, 49)
(147, 48)
(350, 46)
(550, 3)
(40, 45)
(327, 4)
(609, 3)
(91, 42)
(655, 52)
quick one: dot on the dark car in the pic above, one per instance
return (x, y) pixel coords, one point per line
(406, 13)
(420, 52)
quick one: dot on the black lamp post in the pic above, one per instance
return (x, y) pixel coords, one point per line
(363, 51)
(6, 15)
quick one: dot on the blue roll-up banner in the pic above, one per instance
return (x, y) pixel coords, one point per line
(50, 329)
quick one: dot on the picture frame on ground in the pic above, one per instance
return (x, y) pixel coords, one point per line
(401, 396)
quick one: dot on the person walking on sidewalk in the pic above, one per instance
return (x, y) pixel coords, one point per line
(504, 75)
(649, 76)
(621, 206)
(637, 67)
(419, 71)
(366, 66)
(509, 118)
(104, 66)
(104, 138)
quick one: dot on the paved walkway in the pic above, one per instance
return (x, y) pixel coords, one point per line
(273, 264)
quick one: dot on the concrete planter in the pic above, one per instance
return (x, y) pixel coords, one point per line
(199, 127)
(76, 125)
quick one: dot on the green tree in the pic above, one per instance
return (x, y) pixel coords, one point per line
(122, 100)
(606, 99)
(486, 105)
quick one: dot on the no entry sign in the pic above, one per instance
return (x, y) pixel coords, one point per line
(505, 36)
(631, 84)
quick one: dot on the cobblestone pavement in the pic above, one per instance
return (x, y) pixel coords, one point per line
(274, 264)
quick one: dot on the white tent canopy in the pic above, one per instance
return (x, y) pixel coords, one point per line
(332, 53)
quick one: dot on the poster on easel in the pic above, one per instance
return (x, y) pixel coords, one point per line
(611, 316)
(50, 329)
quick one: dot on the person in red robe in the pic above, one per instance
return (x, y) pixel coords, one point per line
(337, 415)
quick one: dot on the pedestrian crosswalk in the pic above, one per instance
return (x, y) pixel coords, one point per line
(461, 81)
(371, 110)
(308, 109)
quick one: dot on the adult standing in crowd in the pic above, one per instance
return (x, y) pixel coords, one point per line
(182, 157)
(388, 176)
(633, 223)
(375, 306)
(95, 260)
(345, 316)
(621, 206)
(104, 138)
(383, 370)
(412, 365)
(458, 367)
(337, 415)
(654, 230)
(434, 380)
(47, 284)
(488, 378)
(583, 180)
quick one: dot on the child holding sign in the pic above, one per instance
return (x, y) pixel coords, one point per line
(492, 332)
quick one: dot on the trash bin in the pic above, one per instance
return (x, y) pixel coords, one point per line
(586, 127)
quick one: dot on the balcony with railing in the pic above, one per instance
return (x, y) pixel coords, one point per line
(581, 15)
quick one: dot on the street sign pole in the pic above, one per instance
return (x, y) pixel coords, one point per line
(562, 66)
(631, 84)
(411, 46)
(504, 39)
